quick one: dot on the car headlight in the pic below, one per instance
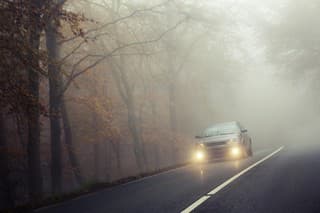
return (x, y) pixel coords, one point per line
(199, 155)
(235, 151)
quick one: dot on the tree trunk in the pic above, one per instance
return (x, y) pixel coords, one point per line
(133, 127)
(96, 145)
(156, 156)
(107, 152)
(69, 143)
(55, 81)
(142, 141)
(118, 160)
(173, 120)
(5, 185)
(127, 97)
(126, 93)
(116, 149)
(33, 147)
(107, 160)
(156, 146)
(96, 160)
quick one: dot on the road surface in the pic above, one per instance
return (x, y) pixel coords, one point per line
(273, 180)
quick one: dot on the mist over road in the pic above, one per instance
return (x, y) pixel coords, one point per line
(286, 182)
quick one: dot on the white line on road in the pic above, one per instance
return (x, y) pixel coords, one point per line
(227, 182)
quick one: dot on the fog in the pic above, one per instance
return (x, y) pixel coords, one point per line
(263, 94)
(116, 89)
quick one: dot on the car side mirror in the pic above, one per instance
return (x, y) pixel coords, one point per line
(244, 130)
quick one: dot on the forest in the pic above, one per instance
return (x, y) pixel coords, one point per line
(99, 92)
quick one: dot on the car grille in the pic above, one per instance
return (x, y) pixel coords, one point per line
(216, 143)
(218, 152)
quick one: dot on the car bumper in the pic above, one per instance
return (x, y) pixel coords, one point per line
(221, 152)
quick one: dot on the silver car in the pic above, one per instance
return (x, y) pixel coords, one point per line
(224, 140)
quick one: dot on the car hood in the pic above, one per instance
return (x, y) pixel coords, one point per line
(219, 138)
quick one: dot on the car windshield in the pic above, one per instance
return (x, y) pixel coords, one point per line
(221, 129)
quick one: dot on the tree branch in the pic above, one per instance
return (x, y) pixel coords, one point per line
(74, 75)
(116, 21)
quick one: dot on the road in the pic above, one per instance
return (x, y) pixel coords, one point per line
(273, 180)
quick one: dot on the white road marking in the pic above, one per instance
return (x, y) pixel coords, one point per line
(227, 182)
(196, 204)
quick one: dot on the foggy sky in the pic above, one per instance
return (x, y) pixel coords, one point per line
(272, 106)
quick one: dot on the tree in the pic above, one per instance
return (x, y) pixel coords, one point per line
(22, 24)
(119, 65)
(33, 147)
(55, 98)
(5, 184)
(57, 106)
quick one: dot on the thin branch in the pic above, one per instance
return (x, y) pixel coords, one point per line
(74, 75)
(116, 21)
(73, 51)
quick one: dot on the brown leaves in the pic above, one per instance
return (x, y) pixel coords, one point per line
(18, 20)
(15, 55)
(74, 22)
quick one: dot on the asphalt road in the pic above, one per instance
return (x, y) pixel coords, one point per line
(286, 181)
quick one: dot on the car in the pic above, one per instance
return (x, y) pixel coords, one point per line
(229, 140)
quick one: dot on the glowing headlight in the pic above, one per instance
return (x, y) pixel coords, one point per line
(235, 151)
(199, 155)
